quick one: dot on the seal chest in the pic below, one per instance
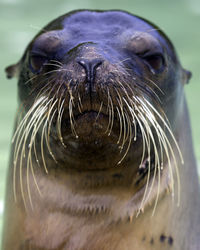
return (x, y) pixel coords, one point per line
(99, 146)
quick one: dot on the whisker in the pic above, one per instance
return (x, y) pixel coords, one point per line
(109, 113)
(71, 116)
(100, 108)
(120, 124)
(167, 145)
(57, 62)
(120, 103)
(31, 79)
(53, 64)
(18, 137)
(112, 115)
(47, 130)
(129, 132)
(59, 118)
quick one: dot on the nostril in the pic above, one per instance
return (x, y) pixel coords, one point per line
(90, 66)
(89, 63)
(82, 62)
(97, 63)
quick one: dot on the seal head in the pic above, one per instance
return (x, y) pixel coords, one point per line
(100, 91)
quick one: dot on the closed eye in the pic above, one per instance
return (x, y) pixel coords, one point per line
(36, 62)
(156, 62)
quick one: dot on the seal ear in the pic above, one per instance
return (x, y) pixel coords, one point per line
(186, 76)
(13, 70)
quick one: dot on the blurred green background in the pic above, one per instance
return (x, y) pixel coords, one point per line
(20, 20)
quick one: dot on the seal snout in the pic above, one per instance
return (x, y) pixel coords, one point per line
(90, 66)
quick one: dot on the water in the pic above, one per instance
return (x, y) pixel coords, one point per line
(20, 20)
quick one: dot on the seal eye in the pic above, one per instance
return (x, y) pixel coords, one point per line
(156, 62)
(36, 63)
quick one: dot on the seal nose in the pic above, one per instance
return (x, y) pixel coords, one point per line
(90, 66)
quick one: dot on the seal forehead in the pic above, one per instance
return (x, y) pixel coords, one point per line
(103, 21)
(110, 24)
(103, 18)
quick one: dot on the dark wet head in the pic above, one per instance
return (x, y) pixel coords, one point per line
(98, 87)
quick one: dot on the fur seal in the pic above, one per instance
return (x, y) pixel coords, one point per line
(102, 155)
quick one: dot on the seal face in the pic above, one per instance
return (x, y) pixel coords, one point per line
(99, 94)
(93, 68)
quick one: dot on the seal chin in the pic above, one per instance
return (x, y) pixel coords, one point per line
(92, 146)
(90, 125)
